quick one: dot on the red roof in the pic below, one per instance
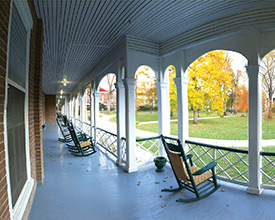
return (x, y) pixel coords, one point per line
(102, 90)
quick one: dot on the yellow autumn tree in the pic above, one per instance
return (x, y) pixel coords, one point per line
(146, 91)
(172, 90)
(210, 83)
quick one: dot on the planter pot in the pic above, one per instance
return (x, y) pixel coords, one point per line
(160, 163)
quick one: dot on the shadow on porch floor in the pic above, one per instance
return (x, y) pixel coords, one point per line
(94, 187)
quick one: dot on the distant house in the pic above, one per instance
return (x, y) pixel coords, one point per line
(103, 98)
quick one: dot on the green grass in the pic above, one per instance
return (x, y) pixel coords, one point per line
(231, 128)
(144, 116)
(148, 145)
(269, 169)
(203, 114)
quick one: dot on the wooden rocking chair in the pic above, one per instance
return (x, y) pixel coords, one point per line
(83, 146)
(201, 181)
(64, 131)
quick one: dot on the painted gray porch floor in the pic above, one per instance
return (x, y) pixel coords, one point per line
(94, 187)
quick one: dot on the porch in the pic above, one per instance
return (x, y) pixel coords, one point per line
(95, 187)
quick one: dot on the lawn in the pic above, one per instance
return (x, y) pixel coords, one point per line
(153, 116)
(231, 128)
(224, 164)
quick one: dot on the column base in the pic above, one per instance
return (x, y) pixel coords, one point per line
(130, 169)
(254, 191)
(118, 163)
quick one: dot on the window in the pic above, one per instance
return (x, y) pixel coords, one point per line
(16, 109)
(16, 141)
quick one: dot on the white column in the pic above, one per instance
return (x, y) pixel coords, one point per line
(76, 109)
(84, 106)
(120, 89)
(163, 111)
(96, 112)
(91, 112)
(81, 110)
(183, 115)
(131, 164)
(70, 110)
(255, 129)
(66, 106)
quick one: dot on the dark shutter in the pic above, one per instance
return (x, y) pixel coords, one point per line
(16, 141)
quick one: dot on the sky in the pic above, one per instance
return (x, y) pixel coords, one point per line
(239, 62)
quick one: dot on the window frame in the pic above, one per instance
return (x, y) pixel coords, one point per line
(18, 210)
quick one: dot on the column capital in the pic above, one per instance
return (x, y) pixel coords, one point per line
(96, 94)
(181, 80)
(162, 85)
(252, 69)
(129, 82)
(119, 85)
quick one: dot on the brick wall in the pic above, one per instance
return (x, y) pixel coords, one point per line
(4, 24)
(35, 104)
(50, 108)
(35, 99)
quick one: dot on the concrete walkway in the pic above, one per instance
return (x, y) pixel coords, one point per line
(175, 120)
(105, 124)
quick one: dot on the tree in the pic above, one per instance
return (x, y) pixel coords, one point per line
(146, 91)
(110, 79)
(242, 99)
(210, 83)
(151, 96)
(172, 90)
(235, 85)
(268, 79)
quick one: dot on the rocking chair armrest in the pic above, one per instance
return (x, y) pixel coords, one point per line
(204, 169)
(189, 157)
(85, 138)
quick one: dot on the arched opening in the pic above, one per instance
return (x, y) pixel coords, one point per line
(146, 100)
(146, 114)
(267, 72)
(107, 103)
(218, 96)
(218, 113)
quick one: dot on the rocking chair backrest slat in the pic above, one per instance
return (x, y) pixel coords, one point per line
(73, 134)
(60, 127)
(177, 164)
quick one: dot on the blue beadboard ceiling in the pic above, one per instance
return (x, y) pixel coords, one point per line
(78, 34)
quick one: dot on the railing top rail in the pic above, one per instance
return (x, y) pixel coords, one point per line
(84, 122)
(236, 150)
(147, 139)
(171, 138)
(264, 153)
(106, 131)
